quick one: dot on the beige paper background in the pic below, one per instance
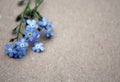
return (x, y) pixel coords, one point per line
(85, 48)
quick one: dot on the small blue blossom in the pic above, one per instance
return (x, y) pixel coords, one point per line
(31, 24)
(49, 31)
(21, 52)
(36, 38)
(30, 34)
(38, 47)
(10, 51)
(35, 26)
(43, 22)
(22, 43)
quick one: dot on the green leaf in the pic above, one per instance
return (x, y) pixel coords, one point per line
(28, 11)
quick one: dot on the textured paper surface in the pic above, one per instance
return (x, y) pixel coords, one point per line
(85, 48)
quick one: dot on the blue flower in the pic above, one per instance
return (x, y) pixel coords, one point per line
(22, 43)
(38, 47)
(36, 39)
(10, 51)
(31, 24)
(30, 34)
(49, 31)
(43, 22)
(21, 52)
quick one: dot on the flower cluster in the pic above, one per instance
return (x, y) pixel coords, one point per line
(32, 33)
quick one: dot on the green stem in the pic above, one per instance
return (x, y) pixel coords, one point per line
(23, 14)
(38, 15)
(35, 9)
(38, 4)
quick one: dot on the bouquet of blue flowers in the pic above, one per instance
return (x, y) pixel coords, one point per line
(34, 25)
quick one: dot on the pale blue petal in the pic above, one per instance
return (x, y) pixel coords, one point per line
(42, 48)
(33, 21)
(29, 22)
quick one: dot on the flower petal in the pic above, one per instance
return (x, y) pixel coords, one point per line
(29, 22)
(33, 21)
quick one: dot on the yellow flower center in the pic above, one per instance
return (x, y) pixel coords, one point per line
(19, 53)
(49, 30)
(29, 34)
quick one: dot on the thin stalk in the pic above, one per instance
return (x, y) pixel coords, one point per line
(38, 15)
(37, 5)
(35, 9)
(23, 14)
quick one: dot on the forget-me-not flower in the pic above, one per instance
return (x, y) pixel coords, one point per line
(49, 31)
(36, 38)
(10, 51)
(30, 34)
(21, 52)
(22, 43)
(38, 47)
(31, 24)
(44, 22)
